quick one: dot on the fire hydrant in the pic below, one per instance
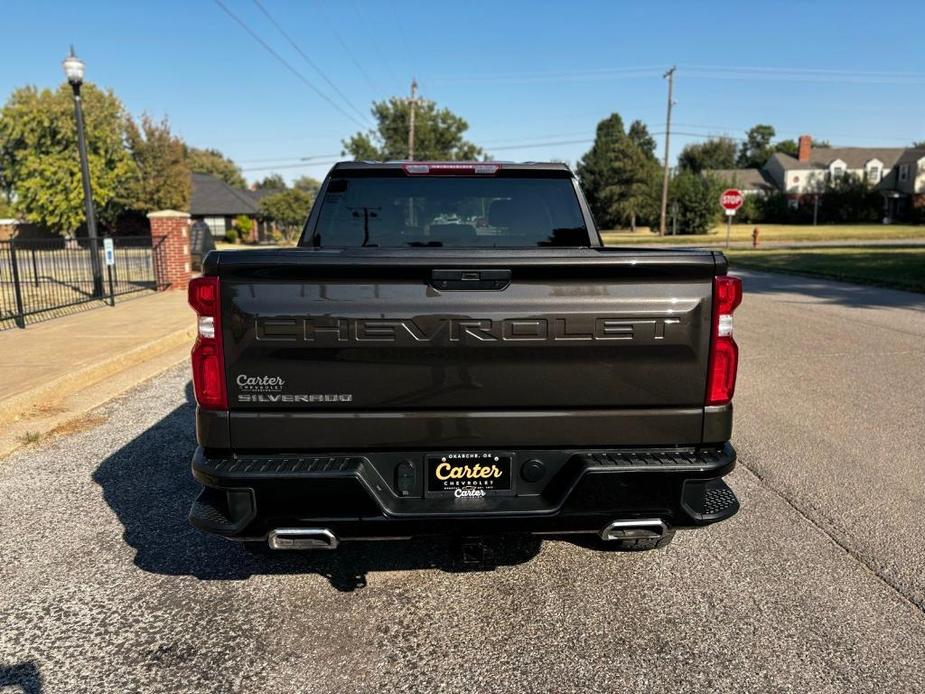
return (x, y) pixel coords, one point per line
(755, 237)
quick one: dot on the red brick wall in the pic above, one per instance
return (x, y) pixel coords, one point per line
(172, 261)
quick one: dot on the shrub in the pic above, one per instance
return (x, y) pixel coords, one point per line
(231, 235)
(697, 199)
(243, 226)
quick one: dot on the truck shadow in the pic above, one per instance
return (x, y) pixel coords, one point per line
(23, 677)
(148, 484)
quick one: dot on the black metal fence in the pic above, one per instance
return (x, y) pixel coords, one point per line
(45, 278)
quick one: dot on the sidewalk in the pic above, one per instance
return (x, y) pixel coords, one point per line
(53, 371)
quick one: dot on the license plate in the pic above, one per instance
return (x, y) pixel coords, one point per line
(468, 475)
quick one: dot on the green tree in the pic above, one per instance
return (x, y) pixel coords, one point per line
(618, 175)
(697, 200)
(288, 210)
(790, 147)
(714, 153)
(639, 135)
(211, 161)
(918, 145)
(161, 176)
(308, 184)
(638, 192)
(39, 157)
(438, 134)
(756, 149)
(271, 182)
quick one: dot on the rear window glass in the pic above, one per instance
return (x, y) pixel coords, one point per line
(449, 212)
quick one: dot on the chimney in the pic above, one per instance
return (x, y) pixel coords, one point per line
(806, 144)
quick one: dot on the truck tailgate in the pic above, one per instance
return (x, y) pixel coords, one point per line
(341, 336)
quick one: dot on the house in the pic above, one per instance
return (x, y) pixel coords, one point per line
(897, 173)
(216, 204)
(749, 181)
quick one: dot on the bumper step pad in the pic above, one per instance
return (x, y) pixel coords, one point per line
(709, 501)
(281, 466)
(642, 458)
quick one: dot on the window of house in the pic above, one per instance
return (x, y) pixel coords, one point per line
(838, 172)
(873, 174)
(216, 225)
(904, 172)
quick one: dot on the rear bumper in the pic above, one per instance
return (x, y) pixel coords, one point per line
(367, 497)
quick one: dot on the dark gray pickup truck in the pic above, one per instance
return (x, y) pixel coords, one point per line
(451, 350)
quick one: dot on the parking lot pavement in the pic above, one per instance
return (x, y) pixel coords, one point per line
(104, 586)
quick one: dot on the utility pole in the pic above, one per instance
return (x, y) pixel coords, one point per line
(412, 102)
(663, 225)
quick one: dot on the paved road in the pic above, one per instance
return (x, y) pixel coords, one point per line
(816, 585)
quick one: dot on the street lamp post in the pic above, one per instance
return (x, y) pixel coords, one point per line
(74, 70)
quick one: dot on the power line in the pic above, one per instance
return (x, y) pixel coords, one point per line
(506, 145)
(374, 42)
(777, 69)
(554, 75)
(797, 77)
(303, 165)
(308, 60)
(302, 78)
(529, 145)
(287, 159)
(310, 160)
(343, 44)
(701, 71)
(539, 79)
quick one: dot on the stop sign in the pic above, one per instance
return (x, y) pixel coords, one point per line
(731, 199)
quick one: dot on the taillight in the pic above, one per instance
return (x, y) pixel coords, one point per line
(724, 353)
(208, 362)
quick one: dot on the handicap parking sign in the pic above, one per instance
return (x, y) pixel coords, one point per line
(109, 252)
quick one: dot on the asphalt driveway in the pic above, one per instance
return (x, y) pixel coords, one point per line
(816, 585)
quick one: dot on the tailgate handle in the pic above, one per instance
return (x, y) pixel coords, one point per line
(470, 279)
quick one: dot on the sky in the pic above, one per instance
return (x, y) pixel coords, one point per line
(531, 78)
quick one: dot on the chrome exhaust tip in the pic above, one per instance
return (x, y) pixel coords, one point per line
(302, 538)
(636, 529)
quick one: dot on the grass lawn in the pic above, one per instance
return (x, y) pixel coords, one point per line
(775, 232)
(899, 268)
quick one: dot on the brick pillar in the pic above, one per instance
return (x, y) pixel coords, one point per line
(171, 239)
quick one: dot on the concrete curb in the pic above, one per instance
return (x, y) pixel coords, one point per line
(23, 405)
(70, 412)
